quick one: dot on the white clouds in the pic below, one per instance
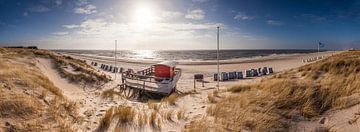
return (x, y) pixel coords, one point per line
(38, 8)
(60, 33)
(171, 14)
(71, 26)
(196, 14)
(88, 9)
(242, 16)
(274, 22)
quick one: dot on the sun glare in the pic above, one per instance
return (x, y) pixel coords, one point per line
(144, 16)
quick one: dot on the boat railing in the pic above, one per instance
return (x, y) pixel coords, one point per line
(139, 76)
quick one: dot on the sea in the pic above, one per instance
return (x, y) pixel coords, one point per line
(185, 55)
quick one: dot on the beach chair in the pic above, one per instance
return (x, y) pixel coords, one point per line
(92, 63)
(110, 69)
(259, 71)
(254, 73)
(95, 64)
(216, 77)
(266, 70)
(235, 75)
(224, 76)
(106, 67)
(240, 75)
(248, 73)
(231, 75)
(271, 70)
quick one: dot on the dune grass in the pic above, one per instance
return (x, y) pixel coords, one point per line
(170, 99)
(306, 92)
(27, 96)
(83, 73)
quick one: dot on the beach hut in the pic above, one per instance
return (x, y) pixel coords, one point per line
(165, 69)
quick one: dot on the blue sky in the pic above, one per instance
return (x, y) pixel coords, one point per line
(180, 24)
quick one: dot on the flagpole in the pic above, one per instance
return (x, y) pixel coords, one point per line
(115, 56)
(217, 57)
(318, 50)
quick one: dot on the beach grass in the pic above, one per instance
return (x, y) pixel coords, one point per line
(75, 70)
(302, 93)
(27, 96)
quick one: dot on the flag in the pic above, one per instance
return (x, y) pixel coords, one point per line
(321, 45)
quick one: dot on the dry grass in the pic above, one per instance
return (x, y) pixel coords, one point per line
(152, 104)
(211, 98)
(309, 91)
(154, 121)
(142, 119)
(106, 120)
(110, 94)
(180, 115)
(125, 115)
(27, 97)
(21, 107)
(170, 99)
(83, 73)
(239, 88)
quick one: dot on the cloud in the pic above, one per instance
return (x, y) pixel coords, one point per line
(25, 14)
(60, 33)
(274, 22)
(171, 14)
(71, 26)
(196, 14)
(88, 9)
(58, 2)
(242, 16)
(38, 8)
(82, 2)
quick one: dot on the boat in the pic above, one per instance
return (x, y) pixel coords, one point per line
(155, 82)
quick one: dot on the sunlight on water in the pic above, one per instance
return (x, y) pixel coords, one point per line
(144, 54)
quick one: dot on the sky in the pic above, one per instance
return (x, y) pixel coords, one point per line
(180, 24)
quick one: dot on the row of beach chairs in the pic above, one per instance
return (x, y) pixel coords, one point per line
(111, 68)
(225, 76)
(94, 63)
(108, 68)
(313, 59)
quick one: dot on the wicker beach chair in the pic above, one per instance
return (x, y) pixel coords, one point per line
(240, 75)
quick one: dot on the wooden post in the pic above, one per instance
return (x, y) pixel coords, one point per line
(194, 83)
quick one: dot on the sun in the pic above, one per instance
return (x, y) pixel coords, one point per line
(144, 15)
